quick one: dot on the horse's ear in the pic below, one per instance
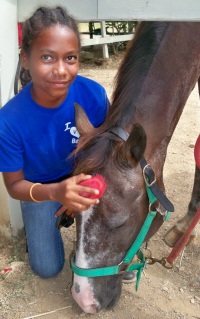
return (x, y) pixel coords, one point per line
(83, 124)
(134, 148)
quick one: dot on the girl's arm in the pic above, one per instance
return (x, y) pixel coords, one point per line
(65, 192)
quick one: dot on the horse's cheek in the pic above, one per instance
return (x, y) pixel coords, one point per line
(83, 294)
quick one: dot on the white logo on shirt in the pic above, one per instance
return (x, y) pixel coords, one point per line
(73, 132)
(67, 126)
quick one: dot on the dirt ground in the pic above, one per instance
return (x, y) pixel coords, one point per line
(162, 293)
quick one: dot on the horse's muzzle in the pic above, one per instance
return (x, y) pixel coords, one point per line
(94, 295)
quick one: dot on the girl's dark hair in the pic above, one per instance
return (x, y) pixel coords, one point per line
(41, 19)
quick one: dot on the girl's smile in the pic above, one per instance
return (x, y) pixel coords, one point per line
(53, 64)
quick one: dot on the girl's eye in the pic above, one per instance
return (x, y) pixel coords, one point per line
(47, 57)
(72, 58)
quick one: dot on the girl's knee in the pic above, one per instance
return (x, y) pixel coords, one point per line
(47, 272)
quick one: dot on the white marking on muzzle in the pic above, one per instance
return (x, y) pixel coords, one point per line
(82, 291)
(81, 260)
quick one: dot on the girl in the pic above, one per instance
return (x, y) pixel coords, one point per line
(37, 133)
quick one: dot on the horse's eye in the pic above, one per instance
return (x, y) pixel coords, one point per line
(117, 220)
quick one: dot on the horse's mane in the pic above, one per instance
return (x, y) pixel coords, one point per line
(134, 68)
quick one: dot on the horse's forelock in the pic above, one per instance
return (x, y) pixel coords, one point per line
(94, 153)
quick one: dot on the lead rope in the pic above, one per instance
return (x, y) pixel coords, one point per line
(182, 242)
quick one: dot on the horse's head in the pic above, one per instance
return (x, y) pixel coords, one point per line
(107, 230)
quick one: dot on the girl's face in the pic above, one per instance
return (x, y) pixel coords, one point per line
(53, 64)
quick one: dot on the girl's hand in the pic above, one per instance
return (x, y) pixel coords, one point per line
(63, 210)
(67, 193)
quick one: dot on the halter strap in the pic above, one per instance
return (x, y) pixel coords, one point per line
(120, 132)
(150, 180)
(148, 173)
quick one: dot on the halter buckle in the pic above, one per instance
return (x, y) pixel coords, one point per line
(121, 265)
(145, 178)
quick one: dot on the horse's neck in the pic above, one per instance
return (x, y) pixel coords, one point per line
(169, 81)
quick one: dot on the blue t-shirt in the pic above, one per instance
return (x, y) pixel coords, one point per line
(38, 139)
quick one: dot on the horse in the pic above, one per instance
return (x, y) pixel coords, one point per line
(158, 72)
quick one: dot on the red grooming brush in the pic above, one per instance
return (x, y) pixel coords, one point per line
(197, 152)
(97, 182)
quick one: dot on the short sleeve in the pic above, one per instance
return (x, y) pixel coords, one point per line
(11, 154)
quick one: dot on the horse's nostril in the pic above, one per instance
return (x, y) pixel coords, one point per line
(90, 309)
(94, 307)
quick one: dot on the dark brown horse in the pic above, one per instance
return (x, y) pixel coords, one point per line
(157, 75)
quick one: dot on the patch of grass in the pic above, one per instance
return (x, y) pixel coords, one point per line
(16, 255)
(18, 248)
(15, 240)
(29, 276)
